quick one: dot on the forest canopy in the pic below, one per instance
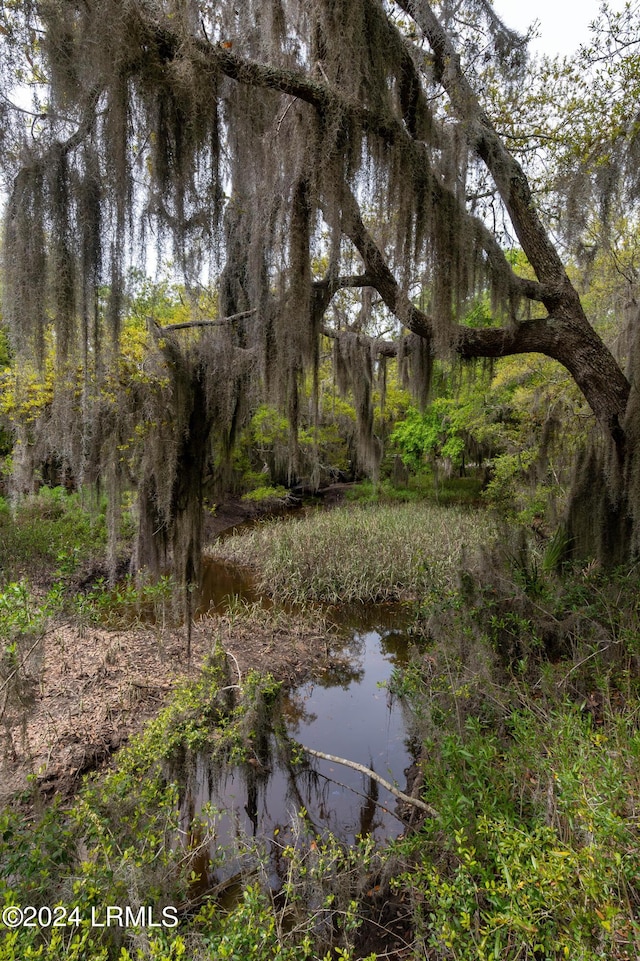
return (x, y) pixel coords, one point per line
(367, 173)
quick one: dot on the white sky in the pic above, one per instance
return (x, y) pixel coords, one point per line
(564, 24)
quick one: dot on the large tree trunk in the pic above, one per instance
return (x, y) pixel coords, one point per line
(565, 335)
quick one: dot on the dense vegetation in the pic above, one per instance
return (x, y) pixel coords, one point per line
(396, 263)
(383, 188)
(522, 688)
(361, 553)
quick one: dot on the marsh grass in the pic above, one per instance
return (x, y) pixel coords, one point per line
(360, 552)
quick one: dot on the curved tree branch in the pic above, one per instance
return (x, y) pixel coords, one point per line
(389, 128)
(563, 336)
(414, 802)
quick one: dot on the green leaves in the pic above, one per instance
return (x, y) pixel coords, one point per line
(531, 855)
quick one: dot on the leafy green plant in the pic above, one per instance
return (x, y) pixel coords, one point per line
(531, 855)
(428, 436)
(266, 494)
(50, 530)
(128, 601)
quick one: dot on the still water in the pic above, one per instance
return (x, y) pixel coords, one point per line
(348, 712)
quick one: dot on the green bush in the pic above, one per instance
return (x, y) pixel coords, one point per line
(534, 853)
(266, 494)
(49, 529)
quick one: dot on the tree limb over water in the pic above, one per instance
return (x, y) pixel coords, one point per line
(299, 155)
(362, 769)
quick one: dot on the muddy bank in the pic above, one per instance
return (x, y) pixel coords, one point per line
(234, 512)
(85, 690)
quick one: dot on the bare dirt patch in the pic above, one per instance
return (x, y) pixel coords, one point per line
(85, 690)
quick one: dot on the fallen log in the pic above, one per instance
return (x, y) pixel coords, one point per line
(415, 802)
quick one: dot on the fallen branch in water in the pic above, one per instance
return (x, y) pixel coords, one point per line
(367, 797)
(415, 802)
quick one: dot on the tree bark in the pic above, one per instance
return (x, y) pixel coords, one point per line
(565, 335)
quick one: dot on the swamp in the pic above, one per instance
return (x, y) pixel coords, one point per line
(319, 483)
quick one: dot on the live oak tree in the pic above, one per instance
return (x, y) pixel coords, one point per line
(296, 150)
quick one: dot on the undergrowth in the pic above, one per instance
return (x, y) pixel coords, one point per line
(49, 531)
(418, 488)
(522, 689)
(130, 601)
(535, 852)
(122, 841)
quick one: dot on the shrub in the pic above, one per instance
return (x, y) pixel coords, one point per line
(534, 854)
(48, 529)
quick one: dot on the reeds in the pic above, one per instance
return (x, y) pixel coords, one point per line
(360, 553)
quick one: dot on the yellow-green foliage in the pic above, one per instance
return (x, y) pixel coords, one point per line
(536, 421)
(267, 494)
(535, 852)
(25, 392)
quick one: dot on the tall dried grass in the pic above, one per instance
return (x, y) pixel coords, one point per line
(360, 553)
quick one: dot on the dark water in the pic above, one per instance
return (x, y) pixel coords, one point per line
(348, 712)
(222, 583)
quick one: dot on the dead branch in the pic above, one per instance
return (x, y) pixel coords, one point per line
(207, 323)
(151, 687)
(415, 802)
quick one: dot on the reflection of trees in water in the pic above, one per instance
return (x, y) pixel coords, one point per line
(393, 643)
(395, 648)
(273, 786)
(347, 667)
(295, 712)
(312, 790)
(251, 807)
(272, 799)
(294, 708)
(371, 618)
(319, 788)
(294, 704)
(369, 810)
(221, 581)
(341, 674)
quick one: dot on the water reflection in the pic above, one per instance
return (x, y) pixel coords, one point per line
(356, 719)
(347, 712)
(220, 582)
